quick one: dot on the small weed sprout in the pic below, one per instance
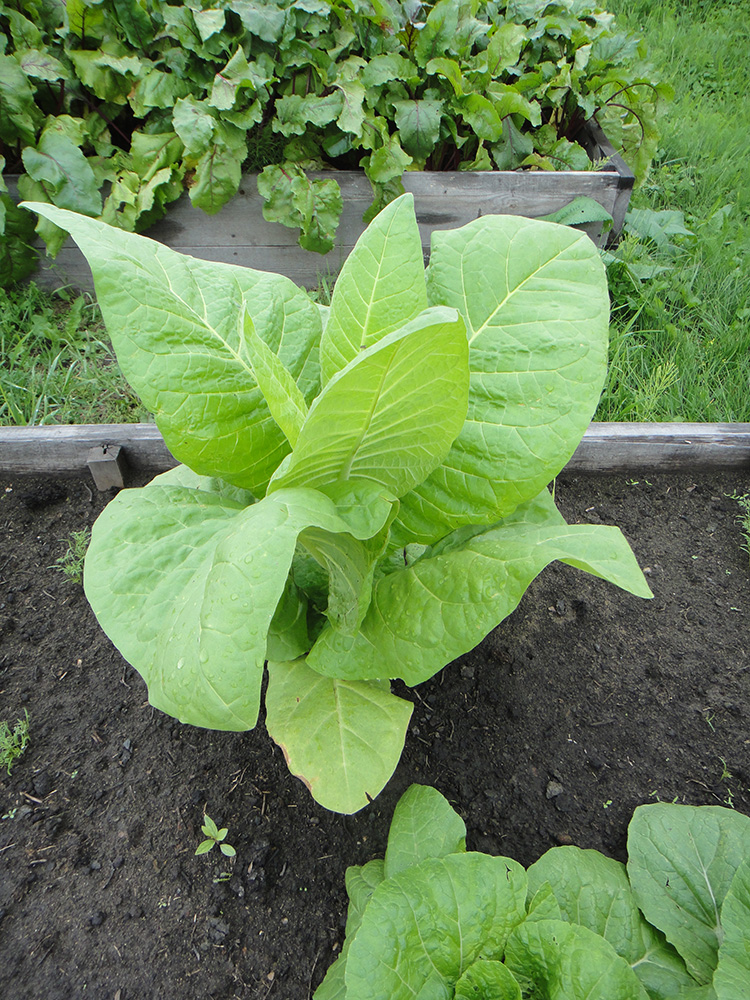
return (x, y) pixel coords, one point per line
(70, 564)
(214, 836)
(13, 742)
(726, 776)
(743, 518)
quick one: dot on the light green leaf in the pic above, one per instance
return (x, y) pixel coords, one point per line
(53, 236)
(84, 18)
(423, 826)
(508, 101)
(389, 416)
(210, 828)
(388, 66)
(594, 891)
(418, 123)
(157, 89)
(342, 739)
(288, 637)
(195, 123)
(110, 76)
(264, 20)
(42, 65)
(151, 153)
(281, 392)
(205, 846)
(438, 36)
(542, 904)
(203, 574)
(23, 31)
(434, 920)
(681, 862)
(351, 565)
(488, 979)
(352, 113)
(569, 962)
(294, 113)
(208, 22)
(234, 76)
(173, 322)
(481, 117)
(578, 212)
(292, 199)
(19, 116)
(504, 47)
(537, 319)
(219, 170)
(732, 976)
(451, 70)
(64, 171)
(387, 163)
(381, 287)
(425, 615)
(361, 882)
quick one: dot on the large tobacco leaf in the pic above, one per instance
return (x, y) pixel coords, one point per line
(694, 853)
(173, 321)
(594, 891)
(444, 913)
(203, 573)
(334, 732)
(305, 528)
(538, 335)
(433, 610)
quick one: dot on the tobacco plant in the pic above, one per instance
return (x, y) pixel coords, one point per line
(363, 489)
(433, 920)
(113, 110)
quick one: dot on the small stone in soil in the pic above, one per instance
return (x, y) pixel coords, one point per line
(97, 918)
(554, 788)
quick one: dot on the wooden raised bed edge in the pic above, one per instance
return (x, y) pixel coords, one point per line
(605, 448)
(239, 234)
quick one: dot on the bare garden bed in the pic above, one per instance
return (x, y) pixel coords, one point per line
(585, 703)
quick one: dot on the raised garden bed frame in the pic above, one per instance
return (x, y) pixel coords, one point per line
(110, 450)
(239, 234)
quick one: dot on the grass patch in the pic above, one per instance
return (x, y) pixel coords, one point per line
(13, 741)
(680, 341)
(70, 563)
(57, 364)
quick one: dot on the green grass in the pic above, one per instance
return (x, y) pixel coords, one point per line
(680, 342)
(57, 364)
(13, 741)
(70, 563)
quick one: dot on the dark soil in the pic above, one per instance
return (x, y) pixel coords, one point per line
(585, 703)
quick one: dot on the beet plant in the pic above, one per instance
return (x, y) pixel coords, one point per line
(363, 488)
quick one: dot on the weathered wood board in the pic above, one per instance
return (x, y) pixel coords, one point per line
(239, 234)
(605, 448)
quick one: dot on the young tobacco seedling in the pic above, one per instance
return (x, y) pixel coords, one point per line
(433, 920)
(214, 836)
(364, 494)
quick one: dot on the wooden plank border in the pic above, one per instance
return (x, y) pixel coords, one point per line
(605, 448)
